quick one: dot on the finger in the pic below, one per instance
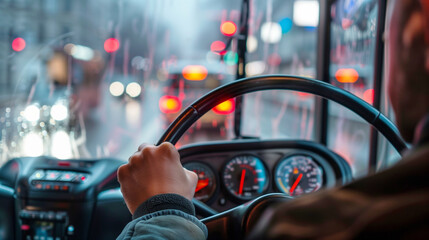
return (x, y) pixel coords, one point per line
(143, 145)
(123, 172)
(134, 157)
(168, 148)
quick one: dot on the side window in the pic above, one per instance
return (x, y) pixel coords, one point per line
(353, 40)
(282, 39)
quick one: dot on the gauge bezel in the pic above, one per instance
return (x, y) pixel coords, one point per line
(215, 192)
(239, 198)
(287, 156)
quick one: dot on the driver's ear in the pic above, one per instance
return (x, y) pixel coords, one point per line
(424, 23)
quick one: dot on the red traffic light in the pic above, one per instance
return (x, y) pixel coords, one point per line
(111, 45)
(226, 107)
(18, 44)
(218, 47)
(169, 104)
(228, 28)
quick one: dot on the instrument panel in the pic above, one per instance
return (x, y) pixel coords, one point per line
(232, 174)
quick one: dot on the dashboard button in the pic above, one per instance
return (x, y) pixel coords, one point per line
(38, 175)
(222, 201)
(65, 188)
(56, 187)
(68, 176)
(48, 187)
(52, 175)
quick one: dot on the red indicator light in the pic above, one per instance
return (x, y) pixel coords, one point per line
(346, 75)
(64, 164)
(25, 227)
(194, 72)
(111, 45)
(226, 107)
(83, 178)
(368, 96)
(218, 47)
(228, 28)
(169, 104)
(18, 44)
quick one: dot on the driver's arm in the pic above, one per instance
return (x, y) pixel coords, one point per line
(157, 191)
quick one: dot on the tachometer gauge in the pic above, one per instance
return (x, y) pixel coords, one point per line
(297, 175)
(245, 177)
(206, 185)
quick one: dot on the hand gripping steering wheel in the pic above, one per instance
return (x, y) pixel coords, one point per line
(225, 225)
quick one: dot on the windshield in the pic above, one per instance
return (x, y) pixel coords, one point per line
(91, 79)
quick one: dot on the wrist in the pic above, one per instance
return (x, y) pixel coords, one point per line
(162, 202)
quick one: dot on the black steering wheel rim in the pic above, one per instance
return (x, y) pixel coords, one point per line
(285, 82)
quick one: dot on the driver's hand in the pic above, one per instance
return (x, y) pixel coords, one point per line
(154, 170)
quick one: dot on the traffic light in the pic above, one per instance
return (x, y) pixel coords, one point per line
(218, 47)
(111, 45)
(18, 44)
(228, 28)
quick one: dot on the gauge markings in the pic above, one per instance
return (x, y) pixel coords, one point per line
(245, 177)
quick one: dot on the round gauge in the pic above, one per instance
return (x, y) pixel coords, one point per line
(206, 185)
(245, 177)
(297, 175)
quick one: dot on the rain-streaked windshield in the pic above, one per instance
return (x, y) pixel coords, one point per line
(95, 78)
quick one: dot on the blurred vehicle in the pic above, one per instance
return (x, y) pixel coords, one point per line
(186, 82)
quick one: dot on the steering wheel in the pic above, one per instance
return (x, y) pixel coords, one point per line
(224, 225)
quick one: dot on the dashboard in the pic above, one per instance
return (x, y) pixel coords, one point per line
(236, 172)
(48, 198)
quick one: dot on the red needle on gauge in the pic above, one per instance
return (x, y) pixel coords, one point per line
(202, 184)
(243, 173)
(295, 183)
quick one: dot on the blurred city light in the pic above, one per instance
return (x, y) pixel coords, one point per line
(169, 104)
(31, 113)
(306, 13)
(346, 75)
(368, 96)
(133, 89)
(228, 28)
(116, 89)
(271, 32)
(59, 112)
(194, 72)
(81, 52)
(32, 145)
(18, 44)
(286, 25)
(111, 45)
(230, 58)
(218, 47)
(61, 145)
(226, 107)
(252, 44)
(274, 59)
(255, 68)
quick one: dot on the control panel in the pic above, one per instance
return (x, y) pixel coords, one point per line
(45, 225)
(56, 180)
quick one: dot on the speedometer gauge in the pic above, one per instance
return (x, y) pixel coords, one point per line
(206, 185)
(245, 177)
(297, 175)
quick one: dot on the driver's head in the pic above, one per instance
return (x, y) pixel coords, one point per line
(408, 64)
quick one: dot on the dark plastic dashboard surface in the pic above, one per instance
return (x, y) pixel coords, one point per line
(80, 199)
